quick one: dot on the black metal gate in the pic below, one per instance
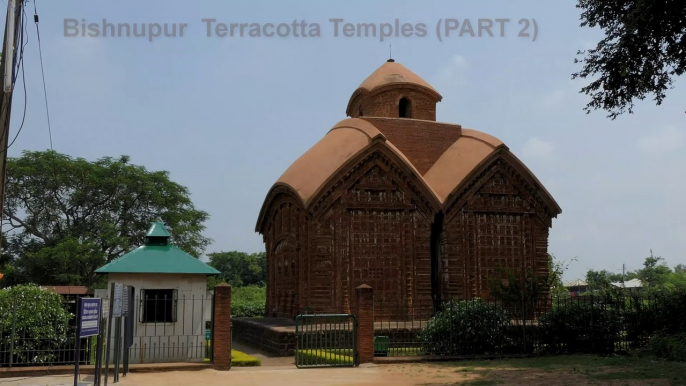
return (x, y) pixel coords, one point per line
(326, 340)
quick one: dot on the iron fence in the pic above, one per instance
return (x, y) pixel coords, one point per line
(169, 328)
(474, 327)
(166, 328)
(326, 340)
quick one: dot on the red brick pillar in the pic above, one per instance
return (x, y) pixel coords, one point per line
(364, 298)
(221, 325)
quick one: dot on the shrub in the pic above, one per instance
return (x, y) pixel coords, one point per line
(580, 326)
(670, 347)
(247, 310)
(248, 302)
(249, 294)
(466, 327)
(40, 323)
(241, 359)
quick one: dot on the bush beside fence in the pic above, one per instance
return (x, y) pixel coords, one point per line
(35, 328)
(586, 324)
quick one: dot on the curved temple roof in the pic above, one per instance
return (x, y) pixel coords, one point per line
(393, 73)
(349, 137)
(441, 155)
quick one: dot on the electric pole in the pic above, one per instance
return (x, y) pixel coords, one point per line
(10, 47)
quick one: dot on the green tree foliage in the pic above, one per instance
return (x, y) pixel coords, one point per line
(239, 268)
(641, 54)
(654, 273)
(65, 217)
(600, 281)
(655, 276)
(556, 269)
(40, 324)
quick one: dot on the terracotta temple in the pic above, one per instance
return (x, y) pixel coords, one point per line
(419, 210)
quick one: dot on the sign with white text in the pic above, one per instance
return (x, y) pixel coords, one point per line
(89, 317)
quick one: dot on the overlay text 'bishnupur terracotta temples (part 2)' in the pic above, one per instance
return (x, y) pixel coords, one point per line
(417, 209)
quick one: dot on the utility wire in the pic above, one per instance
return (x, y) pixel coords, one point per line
(42, 70)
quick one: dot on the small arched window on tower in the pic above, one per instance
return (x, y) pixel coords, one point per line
(360, 114)
(405, 108)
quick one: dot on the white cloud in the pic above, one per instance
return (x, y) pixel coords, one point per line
(665, 141)
(453, 71)
(536, 148)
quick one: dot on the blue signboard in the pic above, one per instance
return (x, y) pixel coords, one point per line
(89, 317)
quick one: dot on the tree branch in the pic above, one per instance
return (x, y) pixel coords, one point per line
(26, 226)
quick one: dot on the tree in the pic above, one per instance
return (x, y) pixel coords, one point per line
(239, 268)
(513, 287)
(65, 217)
(556, 269)
(654, 273)
(598, 281)
(644, 49)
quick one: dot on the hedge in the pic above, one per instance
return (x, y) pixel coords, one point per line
(41, 324)
(241, 359)
(322, 357)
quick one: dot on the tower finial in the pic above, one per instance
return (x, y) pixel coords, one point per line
(390, 53)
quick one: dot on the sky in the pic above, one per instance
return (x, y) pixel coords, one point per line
(227, 115)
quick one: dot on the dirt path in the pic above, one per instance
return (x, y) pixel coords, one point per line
(550, 371)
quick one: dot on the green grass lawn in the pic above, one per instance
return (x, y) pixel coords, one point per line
(324, 357)
(241, 359)
(574, 368)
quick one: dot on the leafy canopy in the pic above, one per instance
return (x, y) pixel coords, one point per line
(239, 268)
(65, 217)
(643, 50)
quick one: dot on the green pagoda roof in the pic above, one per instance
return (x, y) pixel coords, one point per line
(157, 256)
(157, 229)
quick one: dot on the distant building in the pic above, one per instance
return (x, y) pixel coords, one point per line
(576, 287)
(69, 290)
(633, 285)
(70, 296)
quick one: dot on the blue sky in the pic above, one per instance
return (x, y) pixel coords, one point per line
(226, 116)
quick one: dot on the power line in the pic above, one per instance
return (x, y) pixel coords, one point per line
(45, 90)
